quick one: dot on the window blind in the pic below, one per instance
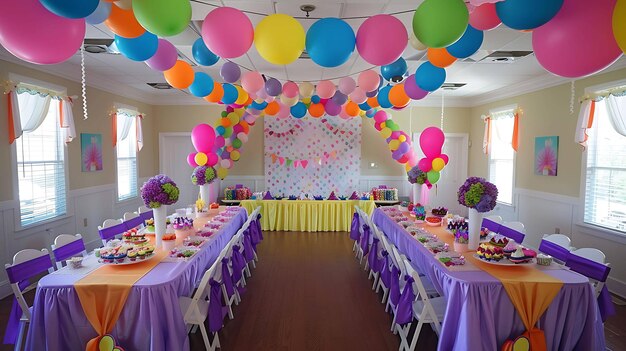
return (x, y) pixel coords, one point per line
(501, 156)
(126, 157)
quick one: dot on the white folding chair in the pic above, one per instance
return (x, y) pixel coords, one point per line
(425, 310)
(381, 283)
(66, 246)
(591, 253)
(110, 223)
(376, 234)
(27, 264)
(495, 218)
(518, 226)
(559, 239)
(597, 256)
(195, 309)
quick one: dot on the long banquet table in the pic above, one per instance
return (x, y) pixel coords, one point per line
(480, 314)
(151, 318)
(307, 215)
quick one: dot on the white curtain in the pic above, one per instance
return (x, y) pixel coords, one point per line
(586, 110)
(124, 122)
(68, 130)
(616, 108)
(33, 109)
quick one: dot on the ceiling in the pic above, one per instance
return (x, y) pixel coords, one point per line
(485, 80)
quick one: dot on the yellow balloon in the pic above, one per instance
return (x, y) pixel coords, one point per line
(243, 95)
(402, 138)
(306, 100)
(407, 167)
(235, 155)
(288, 101)
(619, 24)
(394, 145)
(240, 111)
(233, 118)
(306, 89)
(222, 173)
(383, 125)
(438, 164)
(362, 113)
(279, 39)
(201, 158)
(385, 132)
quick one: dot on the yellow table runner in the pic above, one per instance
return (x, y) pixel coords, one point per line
(531, 291)
(307, 215)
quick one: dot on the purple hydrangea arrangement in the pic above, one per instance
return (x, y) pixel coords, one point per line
(478, 193)
(416, 176)
(203, 175)
(159, 190)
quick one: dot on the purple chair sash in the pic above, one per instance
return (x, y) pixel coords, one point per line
(227, 279)
(491, 225)
(146, 215)
(354, 227)
(365, 239)
(555, 250)
(110, 232)
(512, 234)
(597, 271)
(385, 273)
(404, 311)
(258, 226)
(372, 258)
(216, 316)
(66, 251)
(248, 249)
(20, 274)
(134, 222)
(394, 285)
(239, 263)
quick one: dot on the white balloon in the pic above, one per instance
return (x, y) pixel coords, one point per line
(415, 43)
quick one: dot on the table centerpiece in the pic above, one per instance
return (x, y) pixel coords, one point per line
(480, 197)
(158, 192)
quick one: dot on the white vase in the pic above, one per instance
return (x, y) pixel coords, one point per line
(160, 217)
(417, 193)
(475, 222)
(205, 193)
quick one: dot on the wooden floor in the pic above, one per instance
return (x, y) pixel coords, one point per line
(308, 293)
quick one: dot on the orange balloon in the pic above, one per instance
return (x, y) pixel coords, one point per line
(248, 102)
(217, 93)
(272, 108)
(123, 23)
(440, 57)
(180, 76)
(225, 122)
(373, 102)
(397, 96)
(316, 110)
(245, 126)
(352, 109)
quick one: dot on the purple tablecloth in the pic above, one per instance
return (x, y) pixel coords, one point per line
(480, 315)
(151, 318)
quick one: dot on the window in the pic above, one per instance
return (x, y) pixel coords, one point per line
(502, 154)
(40, 160)
(126, 150)
(605, 184)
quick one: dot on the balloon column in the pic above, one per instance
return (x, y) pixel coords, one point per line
(399, 142)
(431, 142)
(232, 132)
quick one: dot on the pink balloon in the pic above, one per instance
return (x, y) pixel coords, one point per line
(377, 126)
(237, 128)
(203, 137)
(445, 158)
(403, 159)
(219, 141)
(358, 96)
(291, 90)
(579, 40)
(252, 82)
(381, 116)
(381, 39)
(32, 33)
(212, 159)
(484, 17)
(395, 134)
(369, 80)
(191, 159)
(425, 165)
(227, 32)
(283, 112)
(347, 85)
(226, 163)
(412, 160)
(164, 58)
(343, 114)
(431, 141)
(325, 89)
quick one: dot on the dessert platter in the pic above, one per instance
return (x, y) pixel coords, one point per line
(182, 253)
(121, 253)
(433, 221)
(511, 254)
(450, 258)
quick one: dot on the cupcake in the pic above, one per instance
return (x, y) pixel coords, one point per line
(510, 247)
(141, 254)
(544, 260)
(518, 256)
(149, 250)
(132, 255)
(120, 257)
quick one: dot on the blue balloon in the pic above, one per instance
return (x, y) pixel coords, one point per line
(202, 85)
(220, 130)
(202, 54)
(298, 110)
(255, 105)
(371, 112)
(468, 44)
(315, 99)
(330, 42)
(395, 71)
(383, 97)
(138, 49)
(428, 77)
(230, 94)
(528, 14)
(365, 106)
(101, 13)
(71, 8)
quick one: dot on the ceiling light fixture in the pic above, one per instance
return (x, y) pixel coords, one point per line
(307, 8)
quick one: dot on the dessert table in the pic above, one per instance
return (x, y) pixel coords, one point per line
(150, 318)
(480, 315)
(307, 215)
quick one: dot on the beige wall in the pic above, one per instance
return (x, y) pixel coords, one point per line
(545, 113)
(99, 103)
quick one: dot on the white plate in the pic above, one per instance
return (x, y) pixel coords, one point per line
(127, 261)
(504, 262)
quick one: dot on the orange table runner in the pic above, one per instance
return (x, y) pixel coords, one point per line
(531, 291)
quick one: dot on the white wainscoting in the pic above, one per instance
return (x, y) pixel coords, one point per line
(88, 205)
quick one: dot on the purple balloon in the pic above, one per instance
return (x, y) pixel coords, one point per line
(230, 72)
(339, 98)
(412, 90)
(164, 58)
(397, 154)
(332, 109)
(225, 155)
(372, 93)
(404, 147)
(273, 87)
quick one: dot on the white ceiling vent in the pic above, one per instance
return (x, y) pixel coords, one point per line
(452, 86)
(101, 46)
(160, 86)
(502, 57)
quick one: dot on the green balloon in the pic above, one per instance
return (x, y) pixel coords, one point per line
(163, 17)
(224, 114)
(237, 143)
(433, 176)
(439, 23)
(228, 131)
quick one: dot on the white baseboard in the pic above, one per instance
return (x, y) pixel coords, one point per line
(617, 287)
